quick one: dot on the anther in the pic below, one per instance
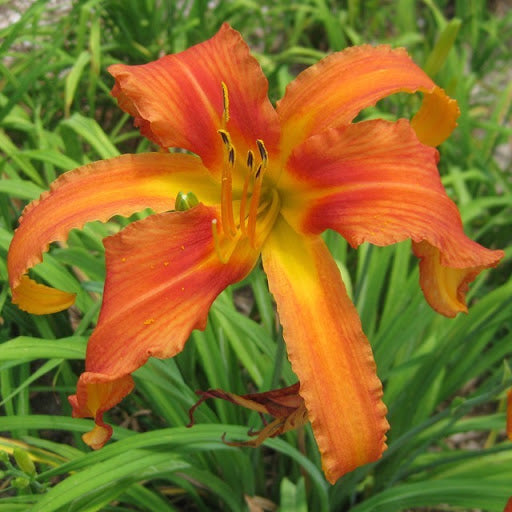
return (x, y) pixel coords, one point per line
(262, 150)
(258, 172)
(250, 159)
(225, 138)
(231, 156)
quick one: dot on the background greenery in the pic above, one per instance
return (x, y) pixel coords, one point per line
(444, 379)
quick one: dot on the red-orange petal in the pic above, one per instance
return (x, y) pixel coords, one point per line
(375, 182)
(97, 191)
(328, 351)
(177, 101)
(162, 276)
(332, 92)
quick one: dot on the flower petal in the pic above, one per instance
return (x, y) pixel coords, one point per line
(375, 182)
(163, 274)
(178, 101)
(328, 351)
(97, 191)
(332, 92)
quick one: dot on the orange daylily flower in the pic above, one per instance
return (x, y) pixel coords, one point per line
(270, 181)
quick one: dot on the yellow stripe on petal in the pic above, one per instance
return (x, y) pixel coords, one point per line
(98, 191)
(40, 299)
(328, 351)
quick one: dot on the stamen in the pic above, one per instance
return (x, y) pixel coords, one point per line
(225, 102)
(226, 193)
(251, 207)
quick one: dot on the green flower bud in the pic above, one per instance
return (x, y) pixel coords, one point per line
(185, 201)
(24, 461)
(21, 482)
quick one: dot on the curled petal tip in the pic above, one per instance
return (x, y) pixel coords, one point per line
(96, 393)
(39, 299)
(98, 436)
(437, 117)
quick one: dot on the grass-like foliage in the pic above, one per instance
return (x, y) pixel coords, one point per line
(444, 379)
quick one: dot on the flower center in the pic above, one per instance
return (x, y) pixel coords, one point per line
(253, 211)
